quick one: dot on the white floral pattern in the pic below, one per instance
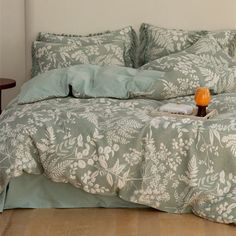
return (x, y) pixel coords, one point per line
(126, 38)
(108, 146)
(49, 56)
(119, 147)
(203, 64)
(156, 42)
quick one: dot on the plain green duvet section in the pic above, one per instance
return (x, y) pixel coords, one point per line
(89, 81)
(47, 194)
(47, 85)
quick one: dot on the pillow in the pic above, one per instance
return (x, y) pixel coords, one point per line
(203, 64)
(127, 35)
(227, 40)
(206, 51)
(89, 81)
(53, 84)
(156, 42)
(48, 56)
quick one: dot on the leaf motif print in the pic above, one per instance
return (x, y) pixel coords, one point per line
(110, 179)
(208, 181)
(81, 57)
(230, 142)
(126, 38)
(48, 56)
(176, 165)
(117, 168)
(222, 177)
(204, 64)
(191, 174)
(120, 130)
(56, 170)
(157, 42)
(210, 76)
(64, 148)
(91, 117)
(214, 134)
(103, 162)
(80, 141)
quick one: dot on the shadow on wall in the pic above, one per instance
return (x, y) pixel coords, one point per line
(12, 45)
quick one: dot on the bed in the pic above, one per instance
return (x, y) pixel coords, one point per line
(85, 130)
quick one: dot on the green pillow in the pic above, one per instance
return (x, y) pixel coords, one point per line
(49, 56)
(127, 35)
(205, 51)
(203, 64)
(156, 42)
(52, 84)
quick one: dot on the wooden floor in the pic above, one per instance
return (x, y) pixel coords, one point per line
(107, 222)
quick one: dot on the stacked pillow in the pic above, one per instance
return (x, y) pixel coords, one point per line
(203, 64)
(157, 42)
(52, 51)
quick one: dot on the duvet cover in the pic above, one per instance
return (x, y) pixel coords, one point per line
(103, 135)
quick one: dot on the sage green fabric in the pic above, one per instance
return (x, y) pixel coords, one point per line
(122, 147)
(203, 64)
(89, 81)
(119, 147)
(47, 194)
(156, 42)
(49, 56)
(125, 35)
(47, 85)
(3, 199)
(116, 82)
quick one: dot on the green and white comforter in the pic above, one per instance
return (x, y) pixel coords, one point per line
(118, 146)
(107, 146)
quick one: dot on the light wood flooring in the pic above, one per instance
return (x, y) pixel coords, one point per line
(107, 222)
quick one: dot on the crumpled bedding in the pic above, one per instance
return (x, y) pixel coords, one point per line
(122, 146)
(117, 147)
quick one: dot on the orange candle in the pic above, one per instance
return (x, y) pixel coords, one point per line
(202, 99)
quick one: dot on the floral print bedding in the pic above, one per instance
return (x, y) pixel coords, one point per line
(123, 146)
(52, 51)
(157, 42)
(120, 147)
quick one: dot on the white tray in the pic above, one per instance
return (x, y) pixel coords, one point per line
(210, 114)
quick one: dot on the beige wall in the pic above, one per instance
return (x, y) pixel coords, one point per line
(83, 16)
(12, 44)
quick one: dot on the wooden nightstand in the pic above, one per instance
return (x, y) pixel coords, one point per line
(5, 84)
